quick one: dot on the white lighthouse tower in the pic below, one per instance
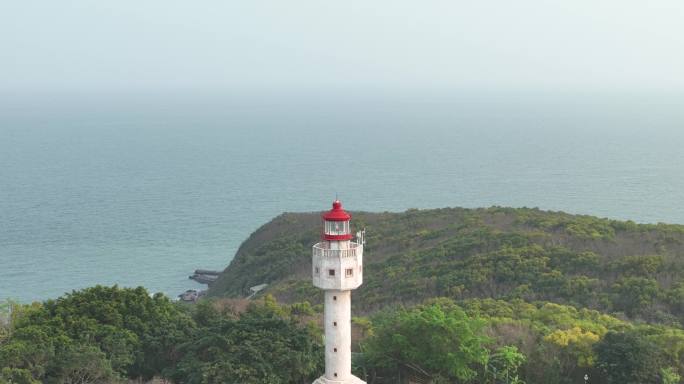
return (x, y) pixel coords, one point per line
(337, 269)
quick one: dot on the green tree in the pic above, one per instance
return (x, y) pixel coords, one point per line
(33, 348)
(16, 376)
(441, 342)
(670, 376)
(136, 334)
(634, 295)
(82, 364)
(6, 308)
(503, 365)
(628, 358)
(577, 343)
(260, 346)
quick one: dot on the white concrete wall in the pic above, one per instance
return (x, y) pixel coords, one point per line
(337, 335)
(320, 266)
(337, 244)
(337, 316)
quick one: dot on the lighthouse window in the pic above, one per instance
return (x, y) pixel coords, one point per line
(337, 227)
(349, 272)
(317, 270)
(334, 349)
(331, 272)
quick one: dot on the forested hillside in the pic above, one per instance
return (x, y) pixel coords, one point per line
(550, 296)
(451, 296)
(632, 271)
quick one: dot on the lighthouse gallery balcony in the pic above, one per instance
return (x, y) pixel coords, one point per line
(322, 250)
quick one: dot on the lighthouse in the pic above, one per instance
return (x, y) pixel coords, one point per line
(337, 267)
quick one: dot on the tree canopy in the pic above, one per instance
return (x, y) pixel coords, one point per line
(440, 342)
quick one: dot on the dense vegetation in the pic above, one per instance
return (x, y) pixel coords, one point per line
(563, 289)
(633, 271)
(108, 334)
(263, 344)
(514, 342)
(487, 296)
(117, 332)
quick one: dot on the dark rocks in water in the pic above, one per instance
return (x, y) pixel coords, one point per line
(203, 278)
(207, 272)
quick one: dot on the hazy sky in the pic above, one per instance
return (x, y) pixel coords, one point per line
(166, 44)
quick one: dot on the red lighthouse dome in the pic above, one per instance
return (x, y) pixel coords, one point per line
(336, 213)
(337, 223)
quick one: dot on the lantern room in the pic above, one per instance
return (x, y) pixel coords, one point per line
(336, 221)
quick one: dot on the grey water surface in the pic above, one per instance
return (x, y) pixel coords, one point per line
(142, 190)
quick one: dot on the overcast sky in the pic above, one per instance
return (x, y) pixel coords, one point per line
(495, 44)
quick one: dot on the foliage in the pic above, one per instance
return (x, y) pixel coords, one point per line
(487, 341)
(559, 342)
(82, 364)
(490, 296)
(549, 283)
(669, 376)
(105, 334)
(632, 294)
(586, 227)
(261, 345)
(99, 332)
(626, 358)
(6, 308)
(503, 365)
(16, 376)
(503, 253)
(578, 343)
(440, 342)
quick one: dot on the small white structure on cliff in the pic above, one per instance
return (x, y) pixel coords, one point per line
(337, 269)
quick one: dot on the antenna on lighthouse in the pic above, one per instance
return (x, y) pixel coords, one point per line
(361, 236)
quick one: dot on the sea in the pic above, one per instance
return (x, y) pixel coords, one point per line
(141, 189)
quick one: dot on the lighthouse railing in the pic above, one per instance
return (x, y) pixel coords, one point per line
(321, 250)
